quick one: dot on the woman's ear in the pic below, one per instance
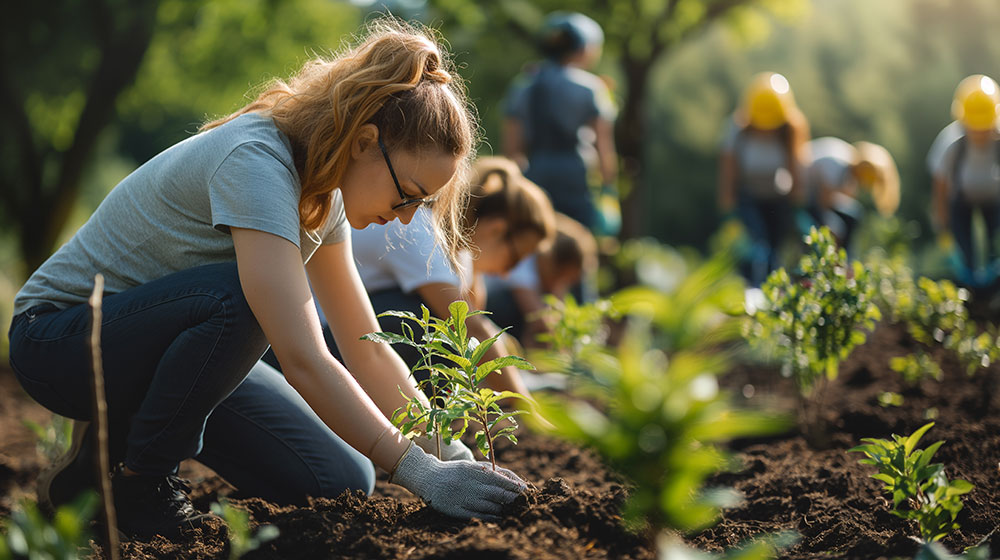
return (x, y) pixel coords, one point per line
(365, 140)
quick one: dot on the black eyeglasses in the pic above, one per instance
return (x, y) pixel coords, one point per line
(407, 202)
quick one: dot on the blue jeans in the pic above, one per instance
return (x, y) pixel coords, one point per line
(961, 227)
(767, 222)
(182, 379)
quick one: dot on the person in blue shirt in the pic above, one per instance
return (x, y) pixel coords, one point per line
(559, 120)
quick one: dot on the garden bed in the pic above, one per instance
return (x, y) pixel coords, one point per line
(571, 512)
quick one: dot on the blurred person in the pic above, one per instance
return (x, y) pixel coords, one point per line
(761, 168)
(559, 123)
(967, 178)
(508, 218)
(208, 250)
(518, 299)
(833, 176)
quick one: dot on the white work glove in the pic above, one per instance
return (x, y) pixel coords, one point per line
(454, 450)
(457, 488)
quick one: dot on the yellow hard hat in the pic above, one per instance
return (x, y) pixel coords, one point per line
(875, 169)
(767, 100)
(977, 102)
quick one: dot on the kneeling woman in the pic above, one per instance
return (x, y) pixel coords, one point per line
(203, 250)
(508, 218)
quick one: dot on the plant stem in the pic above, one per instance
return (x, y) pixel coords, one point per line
(484, 420)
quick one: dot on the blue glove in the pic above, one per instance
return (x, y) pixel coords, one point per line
(609, 212)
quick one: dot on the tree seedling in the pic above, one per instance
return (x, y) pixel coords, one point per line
(241, 538)
(452, 362)
(813, 321)
(920, 490)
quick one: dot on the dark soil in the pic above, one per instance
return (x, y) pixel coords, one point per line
(572, 510)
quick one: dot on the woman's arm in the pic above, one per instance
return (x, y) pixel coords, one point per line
(274, 282)
(348, 309)
(605, 145)
(727, 181)
(512, 135)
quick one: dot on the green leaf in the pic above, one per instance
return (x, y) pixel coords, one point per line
(496, 364)
(914, 438)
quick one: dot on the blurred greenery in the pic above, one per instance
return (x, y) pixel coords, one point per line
(879, 71)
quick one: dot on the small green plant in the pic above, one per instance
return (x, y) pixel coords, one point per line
(813, 321)
(53, 438)
(920, 490)
(455, 371)
(28, 534)
(575, 325)
(914, 367)
(241, 538)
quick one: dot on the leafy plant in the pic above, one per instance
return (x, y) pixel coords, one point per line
(813, 321)
(575, 325)
(914, 367)
(241, 538)
(452, 360)
(920, 490)
(30, 535)
(658, 421)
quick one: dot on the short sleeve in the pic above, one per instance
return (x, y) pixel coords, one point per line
(729, 136)
(525, 274)
(253, 189)
(946, 162)
(337, 227)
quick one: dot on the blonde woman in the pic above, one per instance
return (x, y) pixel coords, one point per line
(508, 218)
(208, 251)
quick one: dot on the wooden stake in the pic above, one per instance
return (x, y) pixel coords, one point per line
(100, 420)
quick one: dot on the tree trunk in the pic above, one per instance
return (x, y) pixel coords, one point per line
(42, 213)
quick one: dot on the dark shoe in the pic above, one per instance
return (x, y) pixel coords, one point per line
(154, 505)
(70, 475)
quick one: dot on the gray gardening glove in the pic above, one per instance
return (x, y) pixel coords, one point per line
(452, 451)
(457, 488)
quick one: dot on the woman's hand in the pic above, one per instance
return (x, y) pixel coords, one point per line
(457, 488)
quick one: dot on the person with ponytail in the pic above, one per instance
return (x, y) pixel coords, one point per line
(508, 218)
(208, 252)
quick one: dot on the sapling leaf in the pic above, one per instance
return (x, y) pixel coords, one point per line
(914, 438)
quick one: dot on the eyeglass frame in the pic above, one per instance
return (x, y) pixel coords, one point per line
(406, 201)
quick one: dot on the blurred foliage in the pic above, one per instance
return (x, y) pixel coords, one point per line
(28, 534)
(652, 404)
(54, 438)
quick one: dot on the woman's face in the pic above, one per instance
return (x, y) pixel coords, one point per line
(500, 249)
(370, 192)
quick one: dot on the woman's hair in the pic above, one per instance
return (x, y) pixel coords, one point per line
(573, 246)
(499, 190)
(885, 191)
(399, 78)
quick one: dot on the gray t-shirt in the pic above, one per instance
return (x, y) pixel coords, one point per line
(978, 172)
(830, 165)
(761, 161)
(174, 213)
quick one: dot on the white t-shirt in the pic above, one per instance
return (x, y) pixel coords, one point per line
(978, 173)
(830, 165)
(405, 257)
(761, 161)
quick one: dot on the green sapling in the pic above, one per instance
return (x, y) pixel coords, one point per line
(455, 371)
